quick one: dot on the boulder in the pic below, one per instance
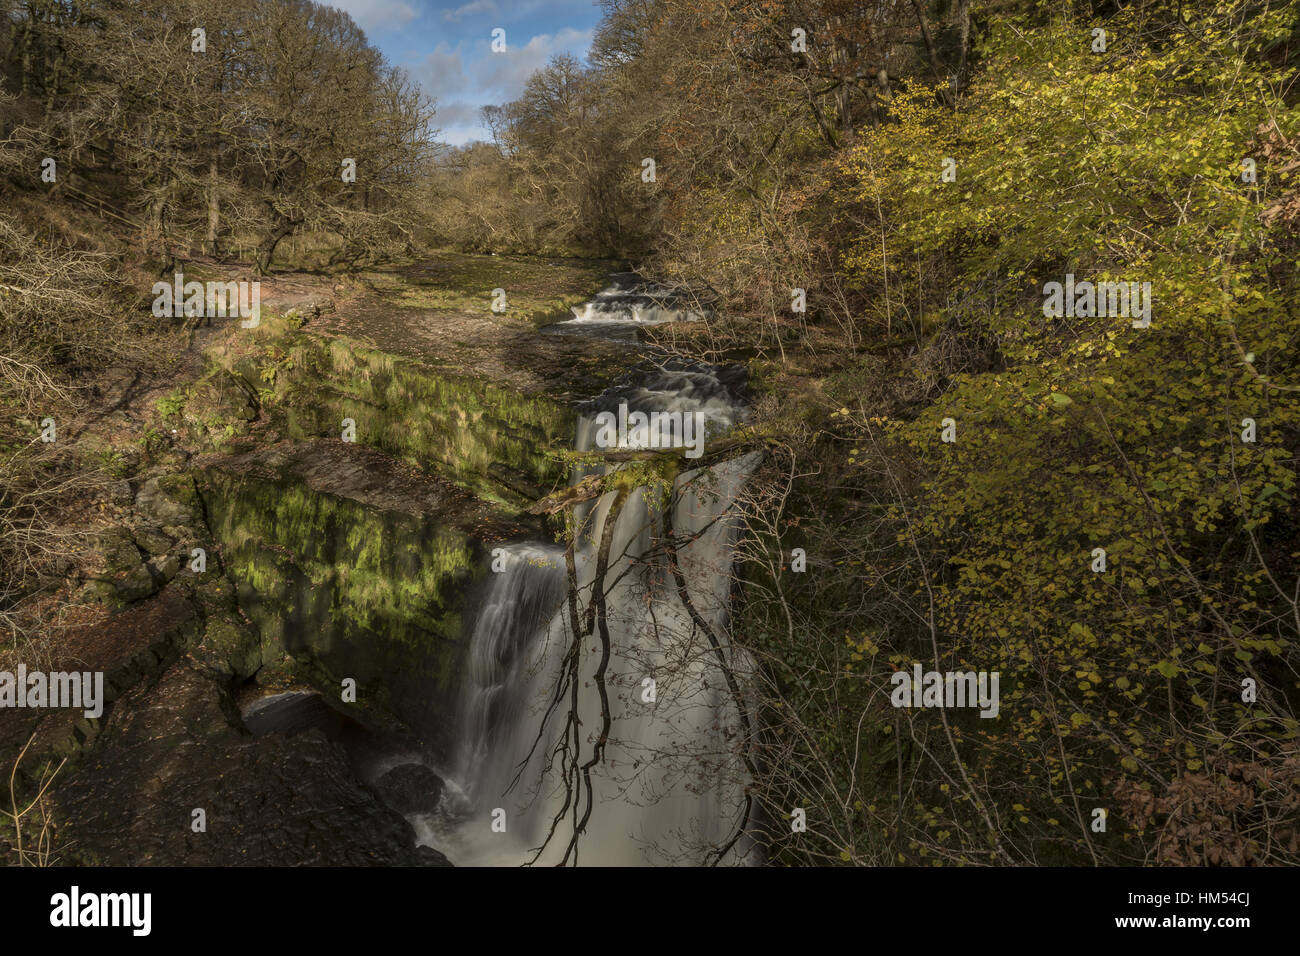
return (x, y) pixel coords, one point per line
(169, 500)
(153, 541)
(228, 647)
(410, 788)
(125, 577)
(163, 567)
(120, 493)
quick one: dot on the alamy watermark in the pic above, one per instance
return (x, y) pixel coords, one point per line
(53, 689)
(75, 909)
(921, 688)
(1127, 300)
(212, 300)
(628, 429)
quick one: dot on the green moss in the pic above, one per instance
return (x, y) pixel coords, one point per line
(350, 590)
(228, 647)
(457, 424)
(179, 486)
(538, 289)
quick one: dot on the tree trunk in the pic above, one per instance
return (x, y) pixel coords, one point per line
(29, 28)
(56, 79)
(266, 251)
(158, 233)
(214, 212)
(964, 16)
(936, 65)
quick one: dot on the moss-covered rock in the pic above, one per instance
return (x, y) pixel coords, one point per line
(153, 541)
(356, 565)
(461, 425)
(125, 577)
(163, 567)
(170, 500)
(228, 646)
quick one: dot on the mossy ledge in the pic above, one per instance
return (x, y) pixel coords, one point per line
(354, 565)
(490, 439)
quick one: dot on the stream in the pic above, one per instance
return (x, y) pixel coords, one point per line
(670, 786)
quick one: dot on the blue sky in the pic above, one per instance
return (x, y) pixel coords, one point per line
(446, 45)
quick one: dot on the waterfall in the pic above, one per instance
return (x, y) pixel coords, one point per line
(671, 785)
(630, 303)
(520, 601)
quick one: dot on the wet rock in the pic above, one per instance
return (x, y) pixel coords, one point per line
(163, 567)
(120, 493)
(428, 856)
(153, 541)
(410, 788)
(169, 500)
(292, 713)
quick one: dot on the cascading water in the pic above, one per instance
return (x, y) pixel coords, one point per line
(670, 786)
(522, 598)
(620, 310)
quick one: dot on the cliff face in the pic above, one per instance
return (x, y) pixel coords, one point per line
(355, 565)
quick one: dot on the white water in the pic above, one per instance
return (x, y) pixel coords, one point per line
(670, 787)
(619, 311)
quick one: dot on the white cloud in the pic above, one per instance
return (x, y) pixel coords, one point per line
(460, 135)
(457, 114)
(467, 76)
(486, 7)
(443, 72)
(373, 14)
(504, 74)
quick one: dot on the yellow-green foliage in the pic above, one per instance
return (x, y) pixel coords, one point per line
(1121, 690)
